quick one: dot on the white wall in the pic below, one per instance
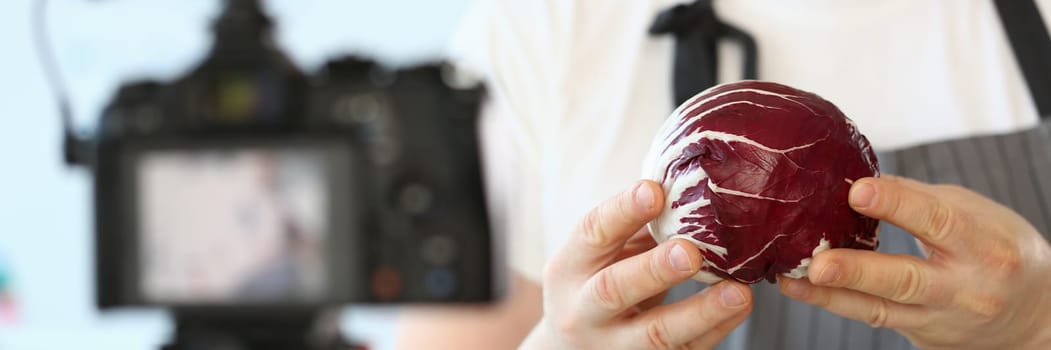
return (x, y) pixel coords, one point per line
(45, 217)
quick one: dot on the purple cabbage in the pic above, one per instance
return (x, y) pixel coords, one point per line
(756, 175)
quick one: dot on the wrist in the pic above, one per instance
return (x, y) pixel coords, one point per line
(1041, 336)
(537, 339)
(1041, 333)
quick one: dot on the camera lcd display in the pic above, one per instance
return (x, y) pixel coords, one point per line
(233, 225)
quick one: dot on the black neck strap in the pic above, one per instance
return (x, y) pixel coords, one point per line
(697, 33)
(1032, 48)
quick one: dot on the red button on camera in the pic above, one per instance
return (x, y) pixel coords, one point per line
(386, 284)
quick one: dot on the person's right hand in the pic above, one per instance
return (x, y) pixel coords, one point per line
(604, 288)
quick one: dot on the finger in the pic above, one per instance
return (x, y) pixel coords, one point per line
(631, 281)
(907, 182)
(637, 244)
(716, 335)
(874, 310)
(677, 324)
(901, 278)
(653, 301)
(934, 221)
(606, 228)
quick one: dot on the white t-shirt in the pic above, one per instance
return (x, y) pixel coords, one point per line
(578, 89)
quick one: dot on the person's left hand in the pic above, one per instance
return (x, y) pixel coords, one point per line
(985, 284)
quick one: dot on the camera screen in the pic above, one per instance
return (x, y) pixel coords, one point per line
(233, 225)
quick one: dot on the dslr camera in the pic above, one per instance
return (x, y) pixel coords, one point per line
(247, 194)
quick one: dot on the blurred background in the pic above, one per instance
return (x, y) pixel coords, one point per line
(46, 271)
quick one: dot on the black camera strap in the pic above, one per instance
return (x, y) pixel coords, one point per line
(697, 31)
(1028, 36)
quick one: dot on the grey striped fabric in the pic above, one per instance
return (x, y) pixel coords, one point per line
(1013, 169)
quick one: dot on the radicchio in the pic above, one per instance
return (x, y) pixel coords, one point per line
(756, 175)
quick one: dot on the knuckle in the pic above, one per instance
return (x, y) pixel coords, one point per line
(624, 206)
(942, 220)
(852, 277)
(592, 230)
(990, 309)
(656, 269)
(987, 307)
(893, 206)
(877, 317)
(657, 336)
(1004, 259)
(910, 284)
(605, 291)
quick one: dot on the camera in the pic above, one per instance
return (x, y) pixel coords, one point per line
(247, 192)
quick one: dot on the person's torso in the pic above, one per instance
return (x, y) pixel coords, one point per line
(907, 72)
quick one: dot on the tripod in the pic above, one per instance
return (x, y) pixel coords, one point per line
(263, 329)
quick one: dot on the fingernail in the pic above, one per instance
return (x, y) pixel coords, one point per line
(732, 297)
(794, 287)
(861, 196)
(679, 260)
(827, 275)
(644, 196)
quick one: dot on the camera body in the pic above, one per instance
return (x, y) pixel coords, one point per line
(248, 185)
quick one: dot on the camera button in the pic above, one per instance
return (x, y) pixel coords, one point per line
(438, 250)
(386, 284)
(440, 283)
(416, 199)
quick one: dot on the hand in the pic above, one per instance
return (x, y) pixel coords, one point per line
(983, 285)
(604, 288)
